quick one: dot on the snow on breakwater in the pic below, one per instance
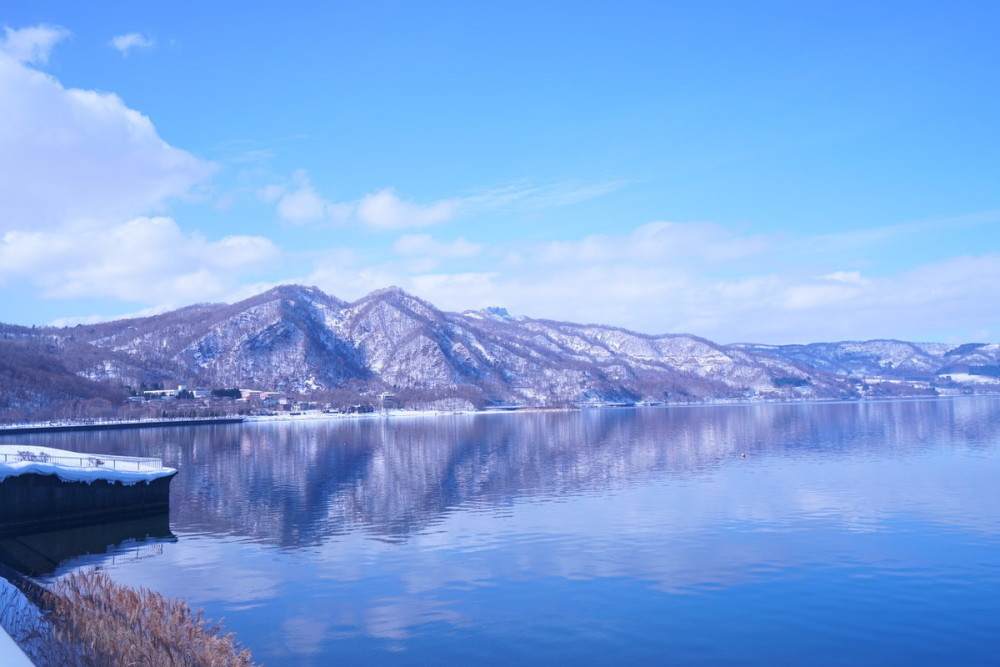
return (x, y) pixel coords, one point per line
(70, 466)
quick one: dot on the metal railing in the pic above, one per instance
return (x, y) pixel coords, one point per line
(131, 463)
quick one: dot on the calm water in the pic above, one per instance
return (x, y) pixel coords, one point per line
(849, 533)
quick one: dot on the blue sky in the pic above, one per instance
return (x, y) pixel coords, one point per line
(765, 171)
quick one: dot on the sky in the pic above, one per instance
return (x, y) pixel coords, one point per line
(768, 171)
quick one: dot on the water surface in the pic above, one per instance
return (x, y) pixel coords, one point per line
(855, 532)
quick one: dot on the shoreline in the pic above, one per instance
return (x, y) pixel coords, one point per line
(35, 428)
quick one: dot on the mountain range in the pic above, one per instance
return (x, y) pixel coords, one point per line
(300, 339)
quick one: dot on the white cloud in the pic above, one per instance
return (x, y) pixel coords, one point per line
(133, 40)
(428, 246)
(818, 295)
(95, 319)
(82, 176)
(385, 210)
(144, 260)
(343, 273)
(299, 203)
(698, 278)
(32, 45)
(845, 277)
(271, 193)
(79, 172)
(73, 156)
(302, 205)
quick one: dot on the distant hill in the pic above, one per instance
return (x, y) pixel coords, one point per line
(299, 339)
(38, 368)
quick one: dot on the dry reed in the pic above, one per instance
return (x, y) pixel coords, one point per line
(98, 623)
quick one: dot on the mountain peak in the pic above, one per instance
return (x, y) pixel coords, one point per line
(396, 295)
(390, 291)
(494, 313)
(293, 290)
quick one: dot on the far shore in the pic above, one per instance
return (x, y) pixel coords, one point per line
(318, 415)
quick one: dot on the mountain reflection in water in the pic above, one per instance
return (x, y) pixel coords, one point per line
(574, 536)
(296, 483)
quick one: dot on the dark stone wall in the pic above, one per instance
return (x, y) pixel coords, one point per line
(32, 503)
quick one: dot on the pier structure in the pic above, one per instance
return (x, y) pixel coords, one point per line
(60, 427)
(42, 488)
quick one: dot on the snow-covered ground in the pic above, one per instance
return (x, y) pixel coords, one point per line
(11, 654)
(78, 466)
(977, 379)
(18, 616)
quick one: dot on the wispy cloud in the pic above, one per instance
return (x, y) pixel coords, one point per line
(133, 40)
(872, 236)
(523, 195)
(299, 202)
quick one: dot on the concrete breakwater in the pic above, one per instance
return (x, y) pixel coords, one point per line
(33, 503)
(113, 426)
(48, 489)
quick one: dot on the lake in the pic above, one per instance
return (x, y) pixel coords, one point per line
(849, 533)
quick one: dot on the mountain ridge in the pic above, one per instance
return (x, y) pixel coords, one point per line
(296, 338)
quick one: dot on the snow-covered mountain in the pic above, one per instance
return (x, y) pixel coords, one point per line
(300, 339)
(885, 360)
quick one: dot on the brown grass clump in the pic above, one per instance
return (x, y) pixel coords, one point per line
(103, 624)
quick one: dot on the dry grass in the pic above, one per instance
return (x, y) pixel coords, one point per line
(92, 621)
